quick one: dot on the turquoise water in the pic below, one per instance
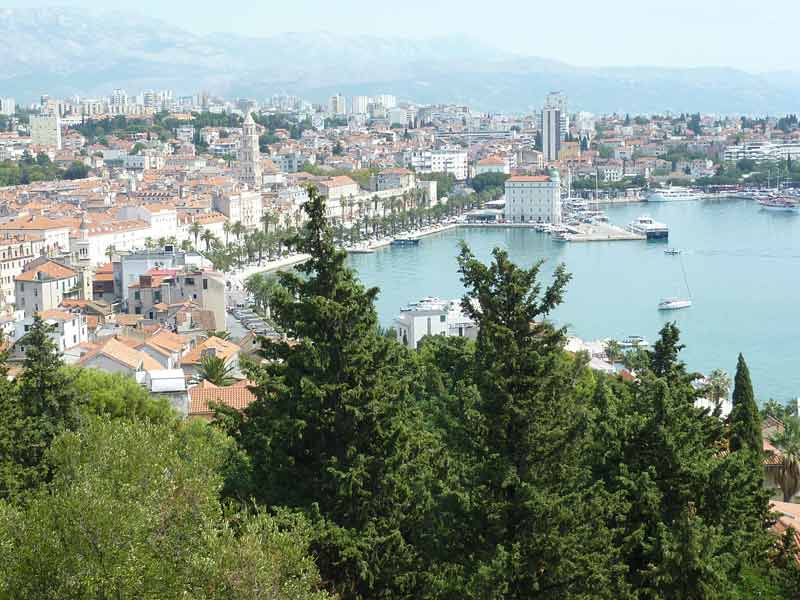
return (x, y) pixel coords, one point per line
(742, 263)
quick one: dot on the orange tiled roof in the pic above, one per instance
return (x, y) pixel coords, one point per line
(528, 178)
(52, 269)
(124, 354)
(224, 350)
(237, 396)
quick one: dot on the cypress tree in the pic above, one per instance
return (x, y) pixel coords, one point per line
(334, 432)
(745, 422)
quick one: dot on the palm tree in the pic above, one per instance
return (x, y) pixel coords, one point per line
(215, 370)
(195, 229)
(718, 386)
(207, 237)
(110, 253)
(787, 442)
(226, 227)
(613, 351)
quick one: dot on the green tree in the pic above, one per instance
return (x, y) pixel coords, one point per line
(133, 512)
(334, 432)
(745, 419)
(519, 539)
(718, 386)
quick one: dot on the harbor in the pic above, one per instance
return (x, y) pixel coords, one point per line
(738, 259)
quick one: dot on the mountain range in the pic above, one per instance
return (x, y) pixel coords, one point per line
(63, 52)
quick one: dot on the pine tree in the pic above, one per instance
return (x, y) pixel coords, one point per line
(745, 421)
(334, 431)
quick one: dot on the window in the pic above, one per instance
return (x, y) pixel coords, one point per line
(190, 281)
(442, 318)
(137, 296)
(205, 284)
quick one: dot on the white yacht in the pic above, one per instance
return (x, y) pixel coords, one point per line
(652, 230)
(674, 303)
(672, 194)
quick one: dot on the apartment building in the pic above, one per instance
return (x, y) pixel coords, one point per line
(43, 285)
(533, 199)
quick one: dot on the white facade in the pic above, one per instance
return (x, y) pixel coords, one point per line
(558, 101)
(337, 105)
(245, 207)
(453, 162)
(8, 106)
(360, 104)
(432, 316)
(386, 100)
(760, 151)
(46, 130)
(68, 328)
(533, 199)
(162, 219)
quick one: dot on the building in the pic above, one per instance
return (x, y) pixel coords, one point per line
(237, 396)
(337, 106)
(386, 100)
(250, 155)
(15, 254)
(67, 330)
(558, 101)
(432, 316)
(492, 164)
(244, 207)
(359, 105)
(8, 106)
(46, 130)
(454, 162)
(44, 285)
(551, 134)
(392, 179)
(533, 199)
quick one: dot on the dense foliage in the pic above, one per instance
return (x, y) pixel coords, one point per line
(41, 168)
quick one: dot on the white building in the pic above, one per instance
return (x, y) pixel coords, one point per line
(533, 199)
(245, 207)
(762, 151)
(337, 105)
(432, 316)
(386, 100)
(46, 130)
(68, 329)
(359, 105)
(162, 218)
(398, 116)
(558, 101)
(8, 106)
(492, 164)
(453, 162)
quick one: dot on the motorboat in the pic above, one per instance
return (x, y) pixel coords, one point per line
(672, 251)
(779, 203)
(651, 229)
(672, 194)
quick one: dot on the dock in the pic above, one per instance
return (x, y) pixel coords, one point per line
(599, 232)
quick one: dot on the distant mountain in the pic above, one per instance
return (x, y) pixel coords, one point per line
(63, 51)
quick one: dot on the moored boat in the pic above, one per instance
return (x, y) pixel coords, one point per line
(674, 303)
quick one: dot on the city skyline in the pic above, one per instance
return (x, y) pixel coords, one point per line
(679, 34)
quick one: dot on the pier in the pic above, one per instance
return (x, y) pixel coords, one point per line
(599, 232)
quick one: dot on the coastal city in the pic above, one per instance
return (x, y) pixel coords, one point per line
(350, 340)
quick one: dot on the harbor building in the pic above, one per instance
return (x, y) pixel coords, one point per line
(433, 316)
(533, 199)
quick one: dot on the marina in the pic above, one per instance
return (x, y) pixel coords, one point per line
(739, 259)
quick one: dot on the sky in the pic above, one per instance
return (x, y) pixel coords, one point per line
(670, 33)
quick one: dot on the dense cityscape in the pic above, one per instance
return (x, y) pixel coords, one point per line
(204, 396)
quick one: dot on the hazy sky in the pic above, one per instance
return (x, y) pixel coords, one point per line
(755, 36)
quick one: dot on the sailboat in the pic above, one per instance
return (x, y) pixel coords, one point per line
(677, 303)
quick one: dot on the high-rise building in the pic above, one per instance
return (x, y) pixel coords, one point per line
(7, 106)
(558, 101)
(386, 100)
(250, 155)
(337, 105)
(359, 104)
(46, 130)
(551, 134)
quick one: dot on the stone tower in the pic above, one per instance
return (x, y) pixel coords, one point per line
(249, 155)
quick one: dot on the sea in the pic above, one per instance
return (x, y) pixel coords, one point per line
(741, 265)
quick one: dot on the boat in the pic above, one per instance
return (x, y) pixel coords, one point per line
(779, 203)
(361, 250)
(405, 241)
(652, 230)
(672, 251)
(674, 303)
(633, 341)
(672, 194)
(677, 303)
